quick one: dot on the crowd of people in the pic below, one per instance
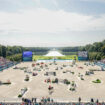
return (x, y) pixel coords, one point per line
(50, 101)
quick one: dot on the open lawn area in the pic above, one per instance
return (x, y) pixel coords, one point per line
(37, 57)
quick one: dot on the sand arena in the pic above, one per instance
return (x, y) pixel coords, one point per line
(37, 87)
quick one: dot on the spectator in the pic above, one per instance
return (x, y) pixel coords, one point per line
(92, 100)
(79, 99)
(97, 101)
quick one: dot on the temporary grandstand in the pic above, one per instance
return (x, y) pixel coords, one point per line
(4, 63)
(103, 61)
(101, 64)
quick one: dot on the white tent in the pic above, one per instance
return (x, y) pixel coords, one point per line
(54, 54)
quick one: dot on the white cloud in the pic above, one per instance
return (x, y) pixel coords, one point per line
(38, 2)
(44, 20)
(94, 0)
(55, 3)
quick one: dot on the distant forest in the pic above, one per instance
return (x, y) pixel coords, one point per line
(14, 53)
(96, 51)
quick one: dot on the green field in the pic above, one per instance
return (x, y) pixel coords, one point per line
(37, 57)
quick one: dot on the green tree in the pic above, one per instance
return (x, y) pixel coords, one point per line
(4, 51)
(0, 50)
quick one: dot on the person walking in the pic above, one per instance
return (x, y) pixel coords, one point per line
(79, 99)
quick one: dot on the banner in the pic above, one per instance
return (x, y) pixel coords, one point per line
(82, 55)
(27, 56)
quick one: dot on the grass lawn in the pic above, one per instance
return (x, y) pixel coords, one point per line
(37, 57)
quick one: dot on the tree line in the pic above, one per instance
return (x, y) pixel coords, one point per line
(96, 51)
(14, 53)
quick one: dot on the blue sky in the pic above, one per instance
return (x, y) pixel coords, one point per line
(51, 22)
